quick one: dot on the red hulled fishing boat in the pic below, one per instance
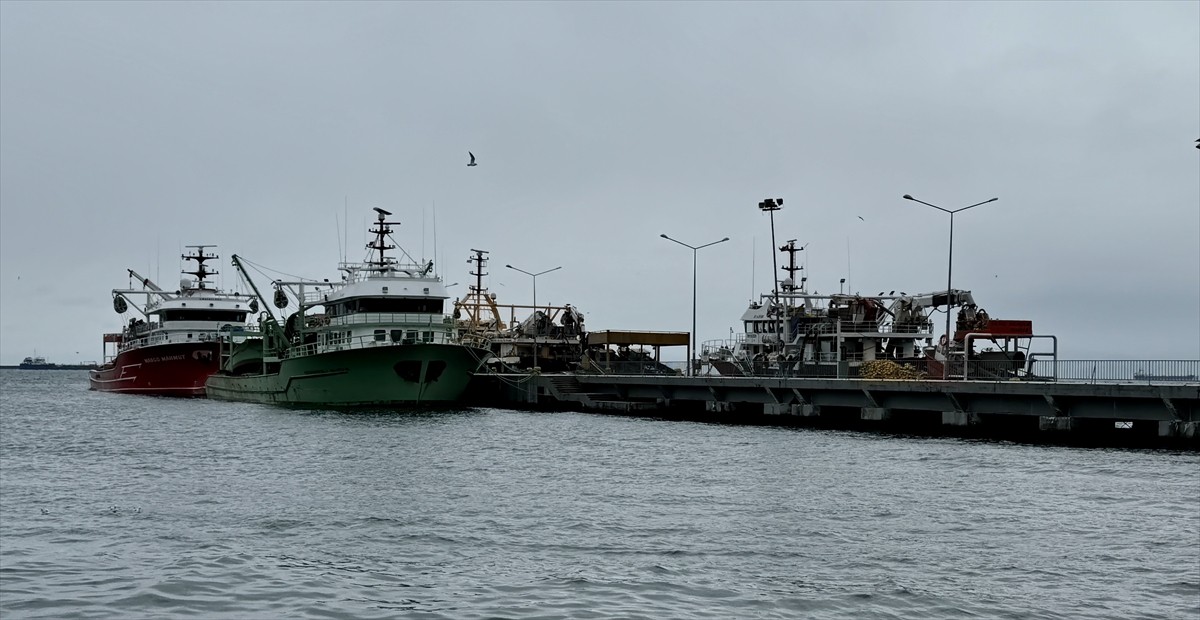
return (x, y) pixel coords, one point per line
(172, 348)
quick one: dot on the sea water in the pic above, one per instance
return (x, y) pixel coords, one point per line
(142, 507)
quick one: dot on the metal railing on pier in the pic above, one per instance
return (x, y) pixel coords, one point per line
(1145, 372)
(1171, 372)
(628, 367)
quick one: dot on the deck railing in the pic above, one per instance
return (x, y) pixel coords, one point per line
(364, 341)
(391, 318)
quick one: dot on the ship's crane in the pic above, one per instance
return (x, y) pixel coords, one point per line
(146, 282)
(122, 300)
(953, 297)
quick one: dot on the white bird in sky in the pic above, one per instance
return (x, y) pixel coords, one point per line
(472, 159)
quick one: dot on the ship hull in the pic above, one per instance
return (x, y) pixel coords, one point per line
(366, 377)
(176, 369)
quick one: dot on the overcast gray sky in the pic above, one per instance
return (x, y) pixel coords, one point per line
(128, 130)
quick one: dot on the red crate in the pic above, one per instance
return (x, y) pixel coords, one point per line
(999, 327)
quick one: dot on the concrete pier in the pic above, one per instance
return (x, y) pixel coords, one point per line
(1107, 413)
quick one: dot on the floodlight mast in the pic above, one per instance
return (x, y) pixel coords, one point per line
(771, 205)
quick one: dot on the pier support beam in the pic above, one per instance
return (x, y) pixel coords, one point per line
(1055, 423)
(777, 409)
(878, 414)
(959, 418)
(803, 411)
(1178, 428)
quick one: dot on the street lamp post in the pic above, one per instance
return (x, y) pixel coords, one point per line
(692, 339)
(535, 325)
(771, 205)
(949, 271)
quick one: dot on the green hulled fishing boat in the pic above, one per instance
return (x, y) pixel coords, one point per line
(380, 337)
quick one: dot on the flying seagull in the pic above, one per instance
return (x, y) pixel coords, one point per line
(472, 158)
(861, 218)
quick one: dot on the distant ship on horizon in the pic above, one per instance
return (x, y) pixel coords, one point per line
(40, 363)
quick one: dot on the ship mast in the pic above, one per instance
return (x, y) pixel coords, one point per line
(202, 271)
(477, 296)
(381, 230)
(790, 285)
(480, 260)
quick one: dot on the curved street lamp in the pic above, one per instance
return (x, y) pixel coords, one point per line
(534, 276)
(692, 338)
(949, 271)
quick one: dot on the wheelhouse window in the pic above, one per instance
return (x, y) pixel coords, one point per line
(387, 305)
(204, 314)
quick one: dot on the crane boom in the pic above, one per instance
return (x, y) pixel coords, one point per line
(237, 264)
(146, 282)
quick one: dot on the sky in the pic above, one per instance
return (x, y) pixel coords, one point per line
(129, 130)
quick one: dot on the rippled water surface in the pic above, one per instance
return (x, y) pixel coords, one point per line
(138, 507)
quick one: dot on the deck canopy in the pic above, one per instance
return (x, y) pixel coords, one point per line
(631, 338)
